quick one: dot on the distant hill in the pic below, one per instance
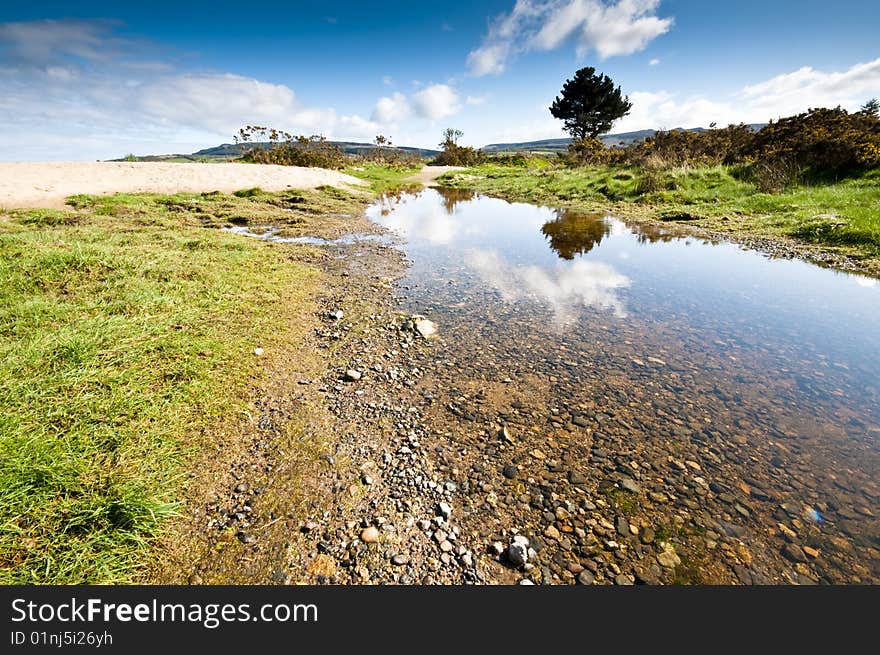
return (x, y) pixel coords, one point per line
(348, 147)
(228, 151)
(560, 145)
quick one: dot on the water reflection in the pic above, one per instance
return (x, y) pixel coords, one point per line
(451, 197)
(564, 289)
(575, 233)
(761, 372)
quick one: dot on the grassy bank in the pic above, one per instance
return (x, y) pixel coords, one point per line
(128, 337)
(384, 178)
(841, 216)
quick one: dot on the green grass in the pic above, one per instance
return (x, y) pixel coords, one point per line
(384, 178)
(842, 215)
(127, 330)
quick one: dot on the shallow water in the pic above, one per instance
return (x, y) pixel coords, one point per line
(679, 336)
(271, 233)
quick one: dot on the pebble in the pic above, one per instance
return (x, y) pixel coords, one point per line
(400, 560)
(352, 375)
(510, 471)
(812, 552)
(425, 327)
(628, 484)
(586, 577)
(794, 553)
(517, 554)
(445, 510)
(552, 533)
(668, 559)
(370, 535)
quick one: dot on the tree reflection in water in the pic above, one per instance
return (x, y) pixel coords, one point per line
(450, 197)
(573, 233)
(577, 233)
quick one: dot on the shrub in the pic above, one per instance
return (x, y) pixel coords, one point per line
(819, 142)
(591, 151)
(278, 147)
(456, 155)
(707, 148)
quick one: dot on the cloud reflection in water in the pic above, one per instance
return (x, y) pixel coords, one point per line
(565, 289)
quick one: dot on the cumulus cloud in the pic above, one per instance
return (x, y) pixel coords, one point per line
(79, 86)
(654, 62)
(782, 95)
(610, 29)
(391, 109)
(436, 102)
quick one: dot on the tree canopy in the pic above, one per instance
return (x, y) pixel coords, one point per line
(589, 104)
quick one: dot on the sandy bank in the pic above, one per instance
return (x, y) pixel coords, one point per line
(47, 184)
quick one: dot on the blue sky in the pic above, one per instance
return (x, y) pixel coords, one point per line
(90, 80)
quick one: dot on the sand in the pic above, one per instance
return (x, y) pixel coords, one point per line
(47, 184)
(429, 174)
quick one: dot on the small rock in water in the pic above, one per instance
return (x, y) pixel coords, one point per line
(586, 578)
(668, 558)
(370, 535)
(352, 375)
(630, 485)
(794, 552)
(424, 327)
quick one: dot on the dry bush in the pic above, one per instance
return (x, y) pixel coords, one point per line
(264, 145)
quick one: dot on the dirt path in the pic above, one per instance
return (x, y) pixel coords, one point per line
(429, 174)
(47, 184)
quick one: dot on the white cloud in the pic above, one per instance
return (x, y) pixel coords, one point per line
(608, 28)
(436, 102)
(790, 91)
(476, 100)
(783, 95)
(78, 85)
(654, 62)
(391, 109)
(489, 59)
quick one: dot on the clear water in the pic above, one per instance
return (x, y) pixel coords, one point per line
(778, 356)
